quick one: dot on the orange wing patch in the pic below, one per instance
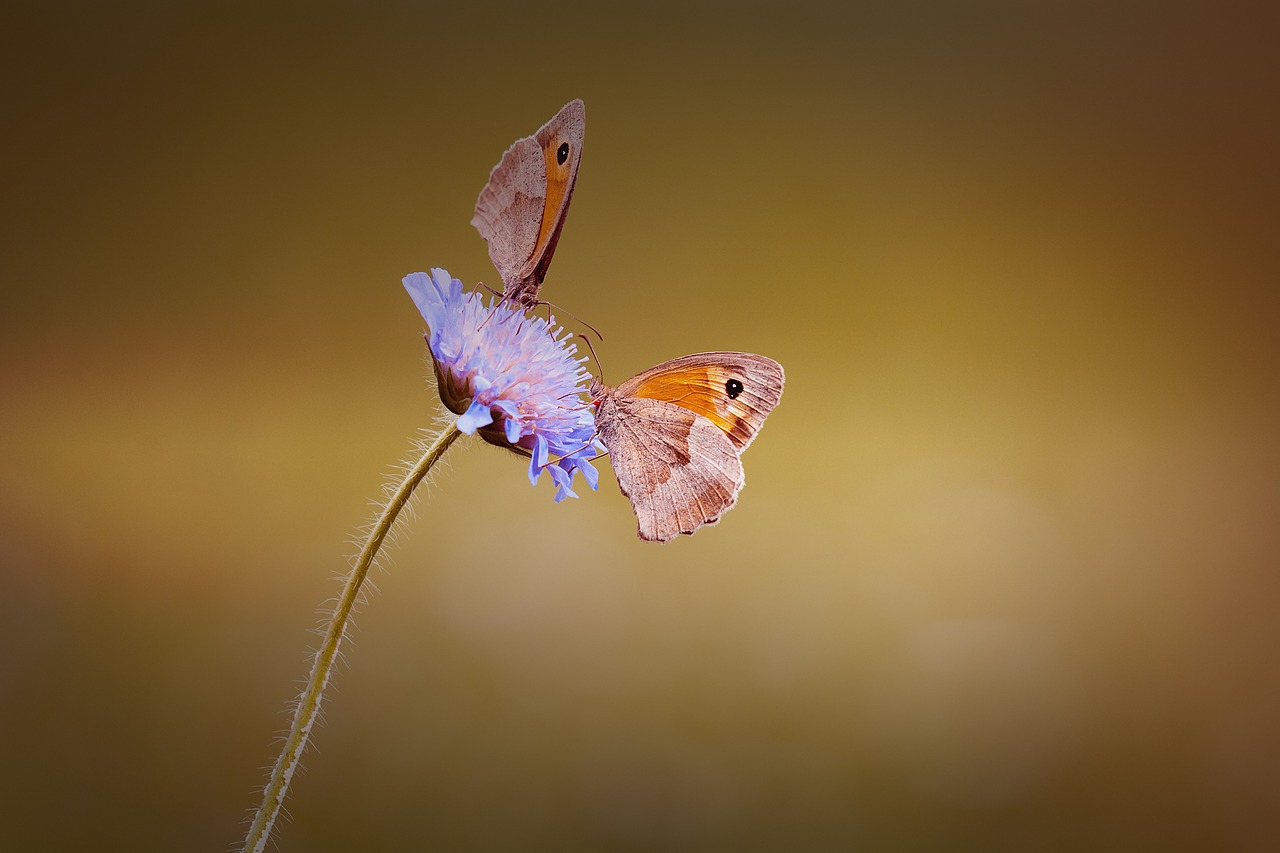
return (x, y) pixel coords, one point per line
(558, 175)
(561, 142)
(735, 391)
(700, 390)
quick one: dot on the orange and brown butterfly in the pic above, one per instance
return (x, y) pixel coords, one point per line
(675, 434)
(522, 208)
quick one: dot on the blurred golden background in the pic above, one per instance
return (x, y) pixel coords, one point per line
(1004, 575)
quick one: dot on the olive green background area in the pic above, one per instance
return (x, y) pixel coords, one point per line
(1004, 573)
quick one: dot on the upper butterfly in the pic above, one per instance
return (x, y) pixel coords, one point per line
(675, 433)
(522, 208)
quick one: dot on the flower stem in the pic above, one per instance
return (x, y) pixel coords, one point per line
(309, 702)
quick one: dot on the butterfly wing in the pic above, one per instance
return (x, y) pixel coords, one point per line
(679, 470)
(733, 390)
(522, 208)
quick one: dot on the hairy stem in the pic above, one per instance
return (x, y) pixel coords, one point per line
(309, 702)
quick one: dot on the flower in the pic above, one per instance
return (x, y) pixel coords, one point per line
(509, 377)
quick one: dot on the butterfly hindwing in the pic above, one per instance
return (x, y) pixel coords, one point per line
(679, 470)
(510, 208)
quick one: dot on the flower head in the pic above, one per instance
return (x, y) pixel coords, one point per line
(511, 378)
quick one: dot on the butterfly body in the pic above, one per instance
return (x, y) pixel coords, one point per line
(521, 210)
(675, 434)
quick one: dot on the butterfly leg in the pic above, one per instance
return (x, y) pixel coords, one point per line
(502, 297)
(576, 450)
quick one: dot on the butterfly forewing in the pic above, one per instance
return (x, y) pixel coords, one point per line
(521, 210)
(733, 390)
(560, 141)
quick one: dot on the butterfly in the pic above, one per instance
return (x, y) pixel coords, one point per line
(522, 208)
(675, 434)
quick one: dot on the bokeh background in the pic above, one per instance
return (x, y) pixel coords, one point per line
(1004, 575)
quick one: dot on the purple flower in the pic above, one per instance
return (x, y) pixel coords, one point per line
(511, 378)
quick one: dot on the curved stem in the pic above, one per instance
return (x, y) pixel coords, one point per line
(309, 702)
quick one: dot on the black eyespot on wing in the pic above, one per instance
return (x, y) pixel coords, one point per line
(734, 387)
(562, 153)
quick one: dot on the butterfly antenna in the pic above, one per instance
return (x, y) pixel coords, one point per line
(574, 316)
(594, 357)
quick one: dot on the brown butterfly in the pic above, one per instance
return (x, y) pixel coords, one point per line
(675, 433)
(522, 208)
